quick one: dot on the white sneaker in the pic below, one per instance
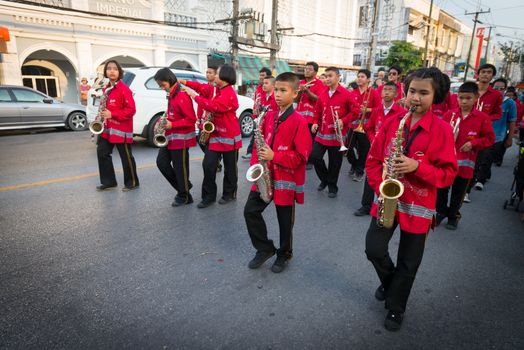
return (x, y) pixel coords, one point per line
(466, 199)
(479, 186)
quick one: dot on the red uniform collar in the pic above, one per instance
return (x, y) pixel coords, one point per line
(424, 122)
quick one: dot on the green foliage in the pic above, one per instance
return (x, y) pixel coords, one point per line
(405, 55)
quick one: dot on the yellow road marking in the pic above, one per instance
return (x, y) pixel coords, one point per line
(71, 178)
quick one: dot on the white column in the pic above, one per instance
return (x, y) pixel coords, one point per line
(159, 56)
(11, 73)
(202, 62)
(85, 60)
(157, 10)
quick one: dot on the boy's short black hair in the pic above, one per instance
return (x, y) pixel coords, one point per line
(269, 77)
(333, 69)
(392, 84)
(365, 71)
(512, 89)
(313, 64)
(288, 77)
(353, 85)
(501, 80)
(165, 74)
(487, 66)
(438, 81)
(469, 86)
(228, 74)
(215, 68)
(395, 67)
(120, 70)
(265, 70)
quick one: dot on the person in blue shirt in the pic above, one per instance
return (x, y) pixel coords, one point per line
(503, 139)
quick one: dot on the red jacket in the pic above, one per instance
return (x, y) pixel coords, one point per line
(305, 105)
(206, 91)
(373, 100)
(224, 105)
(291, 143)
(344, 103)
(450, 102)
(181, 114)
(434, 149)
(490, 103)
(377, 119)
(120, 102)
(270, 101)
(259, 92)
(476, 128)
(400, 91)
(520, 113)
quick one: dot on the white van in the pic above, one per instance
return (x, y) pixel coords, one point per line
(151, 101)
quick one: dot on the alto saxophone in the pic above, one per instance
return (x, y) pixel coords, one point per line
(455, 124)
(160, 139)
(97, 126)
(207, 127)
(259, 172)
(391, 188)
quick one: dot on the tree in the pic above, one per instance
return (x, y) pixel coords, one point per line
(512, 54)
(405, 55)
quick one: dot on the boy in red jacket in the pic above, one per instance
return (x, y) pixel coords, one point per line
(286, 150)
(473, 133)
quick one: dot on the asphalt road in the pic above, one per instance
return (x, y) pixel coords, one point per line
(81, 269)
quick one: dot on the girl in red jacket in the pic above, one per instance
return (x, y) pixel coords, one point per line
(428, 162)
(118, 130)
(224, 141)
(173, 160)
(287, 147)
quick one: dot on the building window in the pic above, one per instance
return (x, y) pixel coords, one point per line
(363, 16)
(357, 60)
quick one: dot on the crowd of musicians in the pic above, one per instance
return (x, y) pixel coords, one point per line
(414, 133)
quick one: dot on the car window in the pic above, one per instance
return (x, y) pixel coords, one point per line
(128, 78)
(27, 96)
(4, 96)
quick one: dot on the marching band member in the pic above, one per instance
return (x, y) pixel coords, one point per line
(286, 150)
(421, 155)
(449, 103)
(333, 102)
(118, 130)
(394, 73)
(309, 90)
(367, 99)
(387, 110)
(224, 141)
(473, 132)
(179, 125)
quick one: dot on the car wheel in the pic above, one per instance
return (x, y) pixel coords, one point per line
(246, 124)
(151, 130)
(77, 121)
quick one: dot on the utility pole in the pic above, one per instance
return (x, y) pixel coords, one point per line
(426, 63)
(487, 44)
(274, 37)
(476, 13)
(373, 45)
(234, 35)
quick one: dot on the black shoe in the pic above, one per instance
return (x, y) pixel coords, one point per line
(280, 264)
(181, 201)
(498, 164)
(332, 194)
(225, 200)
(219, 167)
(259, 259)
(361, 211)
(452, 224)
(127, 189)
(104, 187)
(439, 218)
(393, 321)
(380, 293)
(322, 186)
(204, 204)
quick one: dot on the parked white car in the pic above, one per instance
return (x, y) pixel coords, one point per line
(151, 102)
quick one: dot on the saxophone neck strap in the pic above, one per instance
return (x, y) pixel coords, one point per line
(411, 139)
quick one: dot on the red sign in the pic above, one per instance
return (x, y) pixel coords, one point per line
(480, 32)
(480, 36)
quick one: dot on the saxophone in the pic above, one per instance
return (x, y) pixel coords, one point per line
(259, 172)
(97, 125)
(455, 124)
(208, 126)
(160, 139)
(391, 188)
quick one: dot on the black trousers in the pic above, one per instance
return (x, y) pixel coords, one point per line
(251, 143)
(327, 175)
(174, 165)
(313, 135)
(256, 226)
(521, 134)
(486, 158)
(396, 280)
(458, 191)
(209, 164)
(359, 144)
(368, 195)
(104, 150)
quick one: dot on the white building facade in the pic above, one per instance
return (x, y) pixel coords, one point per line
(52, 48)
